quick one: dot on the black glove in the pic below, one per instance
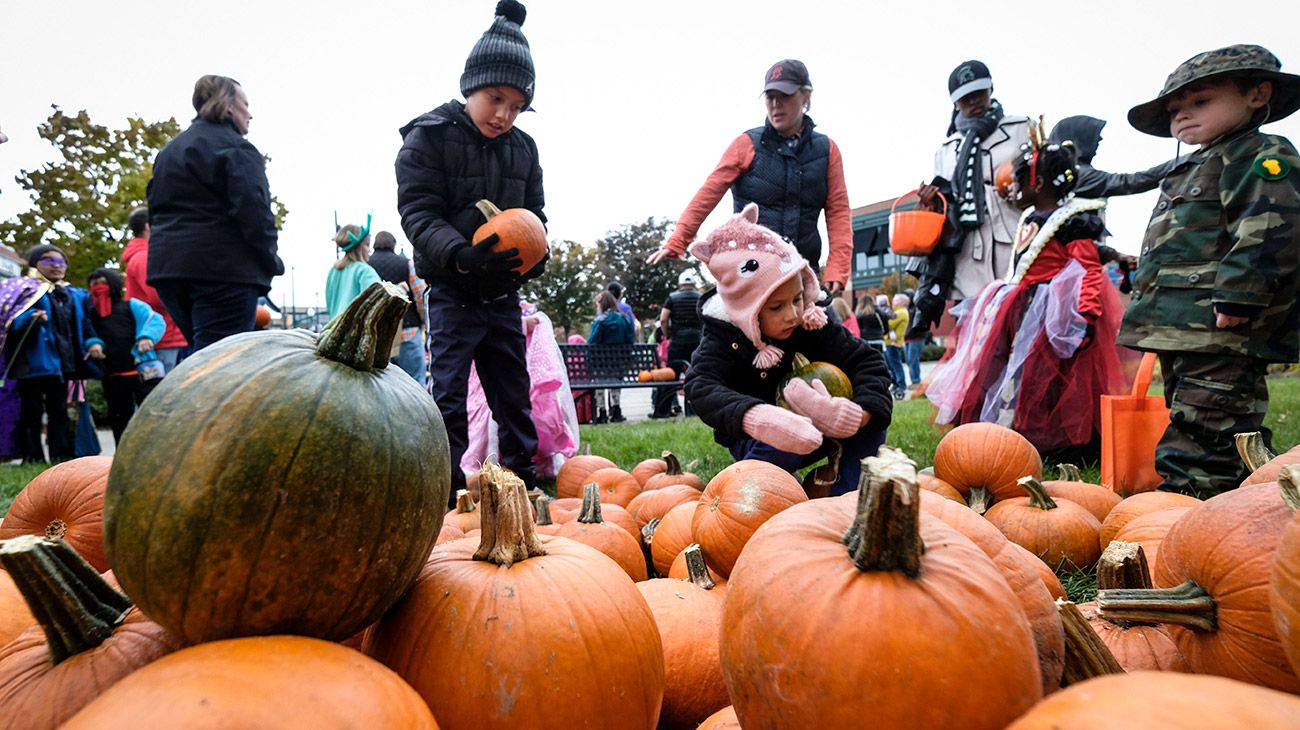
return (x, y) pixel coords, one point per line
(538, 269)
(1089, 334)
(481, 259)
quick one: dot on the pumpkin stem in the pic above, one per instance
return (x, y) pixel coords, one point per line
(1086, 655)
(590, 513)
(362, 336)
(543, 506)
(488, 209)
(508, 532)
(978, 499)
(1068, 473)
(464, 502)
(73, 603)
(799, 362)
(674, 466)
(1251, 448)
(886, 534)
(648, 537)
(1187, 605)
(1289, 482)
(1123, 566)
(1038, 496)
(696, 571)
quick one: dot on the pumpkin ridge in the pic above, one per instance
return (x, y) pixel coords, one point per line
(268, 521)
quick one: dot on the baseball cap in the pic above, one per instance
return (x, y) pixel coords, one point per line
(786, 76)
(969, 76)
(686, 277)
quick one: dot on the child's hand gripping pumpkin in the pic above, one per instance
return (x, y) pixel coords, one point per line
(834, 416)
(782, 429)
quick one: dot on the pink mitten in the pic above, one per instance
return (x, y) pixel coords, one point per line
(834, 416)
(785, 430)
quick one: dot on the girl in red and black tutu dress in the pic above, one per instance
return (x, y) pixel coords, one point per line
(1036, 351)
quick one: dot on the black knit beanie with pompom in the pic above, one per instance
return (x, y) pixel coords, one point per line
(501, 57)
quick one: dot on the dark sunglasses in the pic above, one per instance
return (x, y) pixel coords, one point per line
(52, 261)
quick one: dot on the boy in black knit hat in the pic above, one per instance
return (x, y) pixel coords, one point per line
(452, 157)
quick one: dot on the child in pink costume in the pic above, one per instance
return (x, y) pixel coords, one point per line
(552, 402)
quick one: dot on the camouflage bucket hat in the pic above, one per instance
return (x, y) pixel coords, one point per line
(1253, 61)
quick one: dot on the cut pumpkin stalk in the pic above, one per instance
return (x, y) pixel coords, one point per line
(885, 534)
(71, 601)
(508, 532)
(696, 571)
(1254, 453)
(1086, 656)
(1185, 605)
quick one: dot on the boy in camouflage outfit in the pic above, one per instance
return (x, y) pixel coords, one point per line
(1215, 292)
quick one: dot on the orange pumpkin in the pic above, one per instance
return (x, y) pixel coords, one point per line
(263, 681)
(1045, 573)
(655, 503)
(449, 533)
(672, 536)
(647, 468)
(517, 228)
(1263, 465)
(1284, 583)
(1165, 700)
(1136, 506)
(466, 515)
(101, 636)
(1136, 645)
(673, 474)
(983, 462)
(689, 616)
(1003, 179)
(536, 633)
(572, 476)
(1212, 576)
(931, 483)
(15, 617)
(65, 502)
(1093, 497)
(656, 375)
(591, 530)
(738, 500)
(793, 658)
(836, 382)
(1149, 531)
(616, 486)
(1021, 575)
(1060, 532)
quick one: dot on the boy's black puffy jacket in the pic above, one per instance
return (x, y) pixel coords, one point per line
(722, 382)
(444, 167)
(210, 210)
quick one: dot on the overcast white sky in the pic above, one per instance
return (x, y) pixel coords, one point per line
(636, 100)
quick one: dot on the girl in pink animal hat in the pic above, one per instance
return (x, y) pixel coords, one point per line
(760, 316)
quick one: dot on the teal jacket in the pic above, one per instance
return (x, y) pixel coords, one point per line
(344, 285)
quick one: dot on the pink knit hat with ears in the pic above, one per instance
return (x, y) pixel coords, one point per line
(750, 262)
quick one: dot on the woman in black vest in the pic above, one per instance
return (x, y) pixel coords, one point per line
(792, 172)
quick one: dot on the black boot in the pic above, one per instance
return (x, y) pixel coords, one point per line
(601, 417)
(616, 414)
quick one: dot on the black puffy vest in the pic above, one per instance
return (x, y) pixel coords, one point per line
(788, 182)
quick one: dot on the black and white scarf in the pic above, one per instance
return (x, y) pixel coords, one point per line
(968, 178)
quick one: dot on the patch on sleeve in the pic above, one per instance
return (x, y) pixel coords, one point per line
(1271, 168)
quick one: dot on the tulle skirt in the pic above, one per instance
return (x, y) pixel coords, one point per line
(1021, 362)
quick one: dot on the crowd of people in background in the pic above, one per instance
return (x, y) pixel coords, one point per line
(1020, 263)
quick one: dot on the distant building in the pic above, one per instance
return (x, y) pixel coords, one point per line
(11, 264)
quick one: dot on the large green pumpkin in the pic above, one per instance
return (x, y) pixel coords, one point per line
(280, 483)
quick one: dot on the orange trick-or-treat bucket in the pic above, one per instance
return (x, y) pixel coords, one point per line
(914, 232)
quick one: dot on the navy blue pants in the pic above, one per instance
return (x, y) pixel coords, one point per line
(857, 447)
(490, 335)
(208, 311)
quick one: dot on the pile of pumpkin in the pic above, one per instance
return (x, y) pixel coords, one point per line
(307, 576)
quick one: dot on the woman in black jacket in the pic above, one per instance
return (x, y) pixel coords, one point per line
(212, 247)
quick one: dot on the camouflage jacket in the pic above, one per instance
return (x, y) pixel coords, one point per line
(1226, 232)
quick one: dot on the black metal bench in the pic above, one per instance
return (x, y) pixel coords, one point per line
(609, 366)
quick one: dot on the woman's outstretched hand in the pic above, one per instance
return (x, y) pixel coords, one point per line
(663, 253)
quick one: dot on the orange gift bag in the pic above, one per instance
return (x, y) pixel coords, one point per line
(1131, 426)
